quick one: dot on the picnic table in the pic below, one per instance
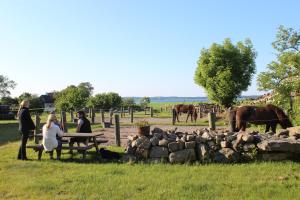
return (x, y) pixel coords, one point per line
(91, 140)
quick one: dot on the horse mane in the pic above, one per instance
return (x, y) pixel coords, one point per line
(282, 117)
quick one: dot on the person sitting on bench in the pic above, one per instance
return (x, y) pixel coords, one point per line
(83, 126)
(50, 131)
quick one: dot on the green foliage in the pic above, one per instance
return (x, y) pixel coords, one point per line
(72, 98)
(106, 100)
(128, 102)
(34, 100)
(9, 101)
(86, 88)
(282, 75)
(226, 70)
(145, 101)
(6, 85)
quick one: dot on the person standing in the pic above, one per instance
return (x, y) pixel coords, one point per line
(25, 126)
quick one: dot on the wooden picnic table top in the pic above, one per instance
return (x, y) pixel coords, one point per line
(78, 135)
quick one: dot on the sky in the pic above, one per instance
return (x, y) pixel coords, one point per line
(132, 47)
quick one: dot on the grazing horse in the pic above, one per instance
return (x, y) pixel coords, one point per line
(189, 109)
(269, 115)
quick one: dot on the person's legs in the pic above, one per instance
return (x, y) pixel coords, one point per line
(22, 149)
(58, 149)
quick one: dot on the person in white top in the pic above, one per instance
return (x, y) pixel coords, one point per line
(50, 132)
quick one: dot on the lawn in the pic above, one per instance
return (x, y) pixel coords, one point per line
(101, 179)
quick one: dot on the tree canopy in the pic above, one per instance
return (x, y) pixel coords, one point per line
(106, 100)
(225, 70)
(282, 75)
(5, 86)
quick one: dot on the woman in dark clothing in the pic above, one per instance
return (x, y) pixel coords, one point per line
(25, 126)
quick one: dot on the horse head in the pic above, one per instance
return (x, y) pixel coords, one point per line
(283, 119)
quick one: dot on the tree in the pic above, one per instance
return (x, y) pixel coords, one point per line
(6, 85)
(9, 101)
(226, 70)
(87, 88)
(35, 100)
(71, 98)
(128, 102)
(283, 75)
(145, 101)
(106, 100)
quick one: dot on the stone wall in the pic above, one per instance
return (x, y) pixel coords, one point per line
(208, 146)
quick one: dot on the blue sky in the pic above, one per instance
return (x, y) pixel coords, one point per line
(135, 48)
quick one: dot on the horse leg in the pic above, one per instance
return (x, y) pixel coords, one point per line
(187, 118)
(177, 116)
(267, 127)
(273, 127)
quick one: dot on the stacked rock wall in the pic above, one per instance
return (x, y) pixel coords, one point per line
(213, 146)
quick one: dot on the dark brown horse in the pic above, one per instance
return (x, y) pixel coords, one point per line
(269, 115)
(189, 109)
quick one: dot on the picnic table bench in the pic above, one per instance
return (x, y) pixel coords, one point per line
(92, 140)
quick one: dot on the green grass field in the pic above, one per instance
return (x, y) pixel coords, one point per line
(100, 179)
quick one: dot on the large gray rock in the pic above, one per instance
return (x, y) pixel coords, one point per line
(154, 141)
(294, 132)
(275, 156)
(143, 142)
(190, 145)
(249, 147)
(226, 155)
(202, 152)
(190, 138)
(141, 153)
(173, 146)
(163, 142)
(280, 145)
(183, 156)
(159, 152)
(172, 137)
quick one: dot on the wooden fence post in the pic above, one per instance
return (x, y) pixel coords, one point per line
(122, 112)
(111, 113)
(117, 130)
(151, 112)
(131, 115)
(173, 116)
(64, 121)
(93, 116)
(212, 120)
(102, 115)
(37, 120)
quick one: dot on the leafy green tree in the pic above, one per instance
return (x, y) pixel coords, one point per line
(9, 101)
(225, 70)
(145, 101)
(283, 75)
(6, 85)
(71, 98)
(106, 100)
(87, 88)
(35, 101)
(128, 102)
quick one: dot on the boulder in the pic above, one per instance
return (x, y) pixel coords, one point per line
(158, 135)
(154, 141)
(129, 158)
(142, 153)
(173, 146)
(224, 144)
(157, 130)
(159, 152)
(280, 145)
(248, 138)
(183, 156)
(202, 151)
(207, 136)
(249, 147)
(132, 137)
(190, 145)
(282, 133)
(226, 155)
(275, 156)
(181, 145)
(143, 142)
(172, 137)
(163, 142)
(190, 138)
(294, 132)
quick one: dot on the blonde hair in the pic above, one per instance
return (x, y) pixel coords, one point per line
(51, 118)
(24, 103)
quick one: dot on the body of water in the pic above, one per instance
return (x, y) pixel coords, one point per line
(184, 99)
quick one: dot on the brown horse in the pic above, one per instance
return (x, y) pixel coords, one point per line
(269, 115)
(189, 109)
